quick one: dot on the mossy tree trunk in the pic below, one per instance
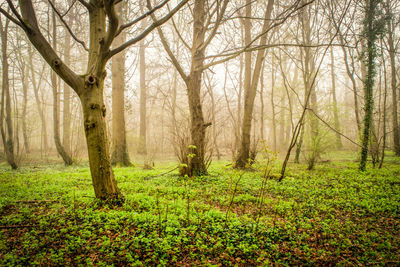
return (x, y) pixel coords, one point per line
(371, 31)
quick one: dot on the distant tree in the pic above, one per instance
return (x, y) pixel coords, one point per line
(119, 150)
(56, 103)
(7, 129)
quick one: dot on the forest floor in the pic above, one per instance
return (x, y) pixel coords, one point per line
(332, 215)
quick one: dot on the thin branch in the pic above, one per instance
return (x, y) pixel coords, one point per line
(61, 17)
(145, 15)
(249, 45)
(7, 15)
(147, 30)
(330, 127)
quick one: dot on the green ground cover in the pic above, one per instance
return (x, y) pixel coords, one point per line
(332, 215)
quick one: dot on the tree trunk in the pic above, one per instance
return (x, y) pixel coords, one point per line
(395, 121)
(142, 149)
(250, 91)
(120, 154)
(339, 144)
(371, 35)
(7, 135)
(38, 103)
(56, 105)
(67, 97)
(262, 105)
(24, 107)
(105, 186)
(274, 137)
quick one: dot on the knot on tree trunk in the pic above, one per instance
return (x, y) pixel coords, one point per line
(89, 125)
(94, 106)
(56, 63)
(90, 79)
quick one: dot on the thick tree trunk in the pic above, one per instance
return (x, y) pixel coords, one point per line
(56, 105)
(120, 154)
(7, 135)
(142, 149)
(197, 128)
(94, 112)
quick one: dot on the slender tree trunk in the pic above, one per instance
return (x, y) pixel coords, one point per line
(56, 105)
(67, 96)
(309, 85)
(274, 137)
(120, 154)
(282, 127)
(25, 71)
(262, 104)
(384, 109)
(339, 144)
(143, 99)
(213, 120)
(7, 134)
(393, 83)
(38, 103)
(250, 91)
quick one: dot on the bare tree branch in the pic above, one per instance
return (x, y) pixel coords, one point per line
(148, 13)
(61, 17)
(154, 25)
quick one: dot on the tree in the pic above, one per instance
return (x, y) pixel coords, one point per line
(56, 104)
(142, 149)
(104, 26)
(372, 27)
(7, 130)
(393, 81)
(251, 82)
(119, 154)
(193, 80)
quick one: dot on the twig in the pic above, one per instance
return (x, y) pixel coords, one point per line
(161, 174)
